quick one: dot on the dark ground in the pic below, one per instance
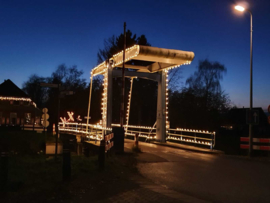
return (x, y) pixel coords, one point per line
(159, 174)
(37, 179)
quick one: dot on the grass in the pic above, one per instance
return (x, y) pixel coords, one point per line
(25, 142)
(39, 178)
(34, 177)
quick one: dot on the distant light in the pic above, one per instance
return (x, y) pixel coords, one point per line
(239, 8)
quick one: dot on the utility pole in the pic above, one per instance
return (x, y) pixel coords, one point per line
(242, 9)
(52, 85)
(251, 86)
(57, 121)
(123, 82)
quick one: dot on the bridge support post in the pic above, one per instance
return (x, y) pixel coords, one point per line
(107, 98)
(161, 108)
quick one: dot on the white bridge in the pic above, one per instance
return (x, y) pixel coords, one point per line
(159, 61)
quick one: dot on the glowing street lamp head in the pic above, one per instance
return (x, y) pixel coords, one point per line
(239, 8)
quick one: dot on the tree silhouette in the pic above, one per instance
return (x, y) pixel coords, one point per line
(113, 45)
(200, 104)
(205, 83)
(33, 89)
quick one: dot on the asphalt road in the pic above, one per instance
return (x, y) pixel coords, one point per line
(215, 178)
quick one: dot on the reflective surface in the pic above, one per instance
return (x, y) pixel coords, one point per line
(216, 178)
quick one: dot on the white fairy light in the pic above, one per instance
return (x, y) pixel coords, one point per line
(17, 99)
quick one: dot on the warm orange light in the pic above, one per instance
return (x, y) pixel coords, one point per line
(239, 8)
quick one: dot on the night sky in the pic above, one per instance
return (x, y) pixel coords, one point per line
(37, 36)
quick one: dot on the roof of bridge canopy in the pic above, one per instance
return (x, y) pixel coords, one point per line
(147, 59)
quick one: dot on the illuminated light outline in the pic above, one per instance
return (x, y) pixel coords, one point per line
(70, 115)
(79, 118)
(17, 99)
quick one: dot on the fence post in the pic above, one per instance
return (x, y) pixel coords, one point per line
(66, 160)
(211, 142)
(96, 137)
(3, 170)
(101, 155)
(195, 140)
(137, 140)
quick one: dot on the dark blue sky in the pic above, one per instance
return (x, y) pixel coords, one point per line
(36, 36)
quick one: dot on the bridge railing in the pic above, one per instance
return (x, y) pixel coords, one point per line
(197, 137)
(143, 131)
(178, 135)
(94, 132)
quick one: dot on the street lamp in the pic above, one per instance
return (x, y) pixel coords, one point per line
(239, 8)
(242, 9)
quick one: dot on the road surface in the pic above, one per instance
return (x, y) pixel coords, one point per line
(210, 177)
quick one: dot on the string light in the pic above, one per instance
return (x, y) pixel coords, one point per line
(104, 98)
(117, 59)
(79, 118)
(131, 52)
(190, 140)
(64, 121)
(135, 126)
(167, 101)
(129, 102)
(193, 130)
(17, 99)
(177, 66)
(92, 126)
(68, 126)
(70, 115)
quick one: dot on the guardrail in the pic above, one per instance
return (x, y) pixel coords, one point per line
(94, 132)
(31, 127)
(143, 131)
(256, 140)
(198, 137)
(184, 136)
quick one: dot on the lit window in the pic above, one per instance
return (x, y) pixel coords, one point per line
(27, 118)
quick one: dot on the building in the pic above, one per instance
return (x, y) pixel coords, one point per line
(16, 107)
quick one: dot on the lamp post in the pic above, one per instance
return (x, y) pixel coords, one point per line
(242, 9)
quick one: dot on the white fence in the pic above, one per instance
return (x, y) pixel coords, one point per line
(143, 131)
(94, 132)
(178, 135)
(196, 137)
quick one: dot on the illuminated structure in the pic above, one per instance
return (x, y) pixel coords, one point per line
(159, 61)
(16, 107)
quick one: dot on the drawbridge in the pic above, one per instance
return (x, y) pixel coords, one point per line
(155, 64)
